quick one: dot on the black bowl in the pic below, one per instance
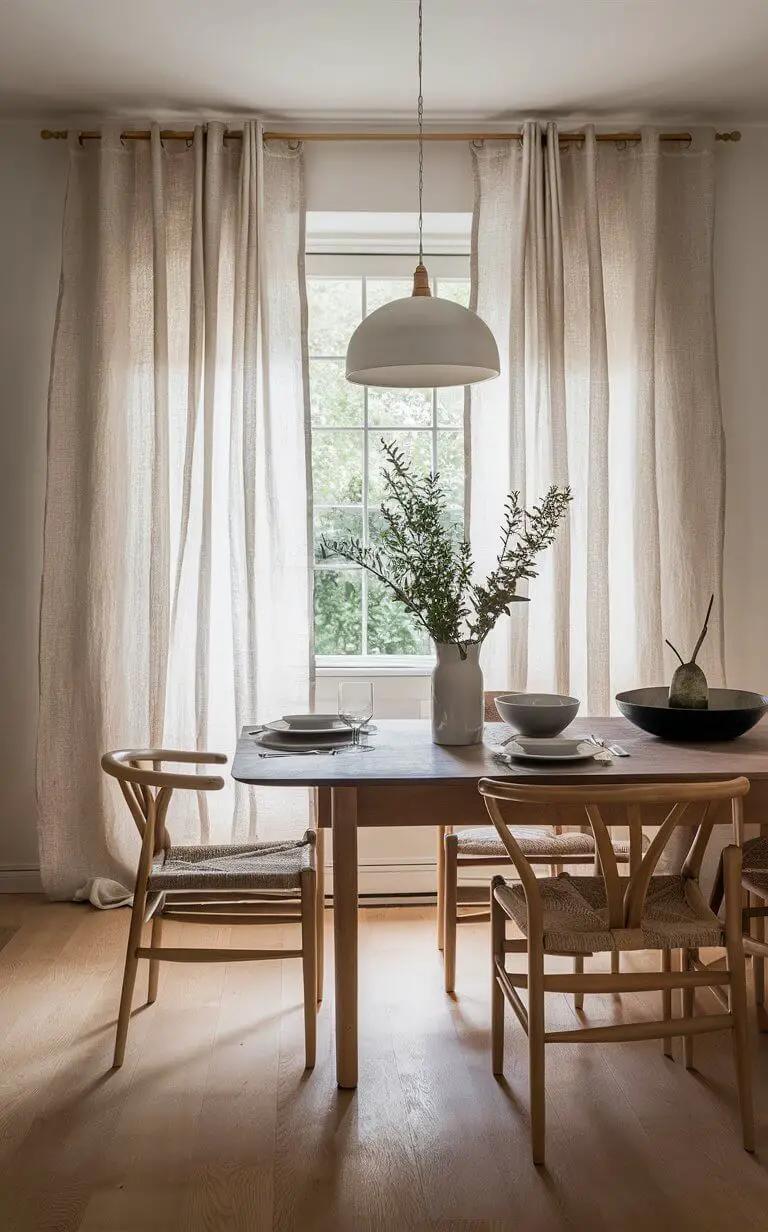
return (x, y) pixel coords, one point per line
(731, 713)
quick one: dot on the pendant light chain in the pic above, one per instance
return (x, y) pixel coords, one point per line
(421, 140)
(421, 342)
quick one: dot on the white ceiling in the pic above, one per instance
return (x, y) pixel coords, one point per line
(345, 59)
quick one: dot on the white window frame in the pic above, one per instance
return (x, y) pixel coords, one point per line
(390, 260)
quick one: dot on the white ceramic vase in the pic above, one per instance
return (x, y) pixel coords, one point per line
(457, 696)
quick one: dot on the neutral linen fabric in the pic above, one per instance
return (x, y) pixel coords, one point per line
(592, 264)
(175, 591)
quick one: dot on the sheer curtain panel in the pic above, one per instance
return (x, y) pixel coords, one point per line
(176, 590)
(592, 264)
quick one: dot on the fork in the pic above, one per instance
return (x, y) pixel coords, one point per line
(616, 749)
(305, 753)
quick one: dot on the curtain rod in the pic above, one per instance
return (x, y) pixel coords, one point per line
(235, 134)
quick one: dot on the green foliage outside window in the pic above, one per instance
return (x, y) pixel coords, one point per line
(354, 613)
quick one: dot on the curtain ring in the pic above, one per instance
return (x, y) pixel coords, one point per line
(477, 143)
(294, 145)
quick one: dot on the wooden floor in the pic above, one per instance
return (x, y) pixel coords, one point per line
(212, 1123)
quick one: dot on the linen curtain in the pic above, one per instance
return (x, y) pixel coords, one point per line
(592, 264)
(176, 591)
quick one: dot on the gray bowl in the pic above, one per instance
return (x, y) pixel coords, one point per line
(537, 714)
(731, 713)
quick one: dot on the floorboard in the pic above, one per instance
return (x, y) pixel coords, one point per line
(212, 1123)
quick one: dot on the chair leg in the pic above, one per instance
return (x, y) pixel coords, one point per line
(536, 1047)
(450, 910)
(689, 1007)
(441, 831)
(666, 1001)
(320, 904)
(129, 977)
(154, 963)
(615, 962)
(758, 964)
(498, 930)
(738, 986)
(309, 963)
(578, 969)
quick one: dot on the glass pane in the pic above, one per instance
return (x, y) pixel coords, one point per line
(450, 466)
(335, 310)
(455, 518)
(334, 401)
(337, 466)
(391, 627)
(380, 291)
(338, 612)
(337, 524)
(450, 407)
(396, 408)
(417, 448)
(456, 289)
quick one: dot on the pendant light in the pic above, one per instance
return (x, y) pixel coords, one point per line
(422, 341)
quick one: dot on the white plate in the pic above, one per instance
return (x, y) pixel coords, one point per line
(310, 722)
(584, 752)
(555, 746)
(331, 726)
(284, 740)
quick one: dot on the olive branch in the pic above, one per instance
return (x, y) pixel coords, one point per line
(429, 568)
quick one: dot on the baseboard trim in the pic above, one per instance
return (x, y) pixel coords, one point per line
(20, 879)
(382, 877)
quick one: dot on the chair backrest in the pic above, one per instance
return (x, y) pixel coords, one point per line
(490, 713)
(148, 789)
(625, 896)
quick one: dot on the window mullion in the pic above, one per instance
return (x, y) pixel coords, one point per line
(364, 582)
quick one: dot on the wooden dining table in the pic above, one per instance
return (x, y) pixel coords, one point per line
(406, 780)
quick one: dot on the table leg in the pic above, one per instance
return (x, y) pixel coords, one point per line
(344, 814)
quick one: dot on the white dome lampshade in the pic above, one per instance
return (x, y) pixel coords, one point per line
(420, 343)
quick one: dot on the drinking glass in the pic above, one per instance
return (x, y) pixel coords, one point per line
(355, 706)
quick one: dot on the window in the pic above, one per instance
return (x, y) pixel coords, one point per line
(355, 616)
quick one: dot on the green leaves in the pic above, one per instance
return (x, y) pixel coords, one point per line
(429, 568)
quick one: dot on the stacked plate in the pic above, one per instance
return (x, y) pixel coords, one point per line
(305, 731)
(558, 748)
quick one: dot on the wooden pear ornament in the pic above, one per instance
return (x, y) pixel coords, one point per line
(689, 689)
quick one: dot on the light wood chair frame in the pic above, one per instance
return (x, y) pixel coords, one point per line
(453, 898)
(147, 790)
(754, 914)
(625, 902)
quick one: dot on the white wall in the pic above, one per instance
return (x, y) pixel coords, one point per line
(741, 298)
(32, 183)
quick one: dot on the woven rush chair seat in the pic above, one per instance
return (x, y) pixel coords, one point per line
(754, 871)
(484, 841)
(575, 916)
(253, 866)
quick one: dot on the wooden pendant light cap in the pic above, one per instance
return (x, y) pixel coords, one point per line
(421, 280)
